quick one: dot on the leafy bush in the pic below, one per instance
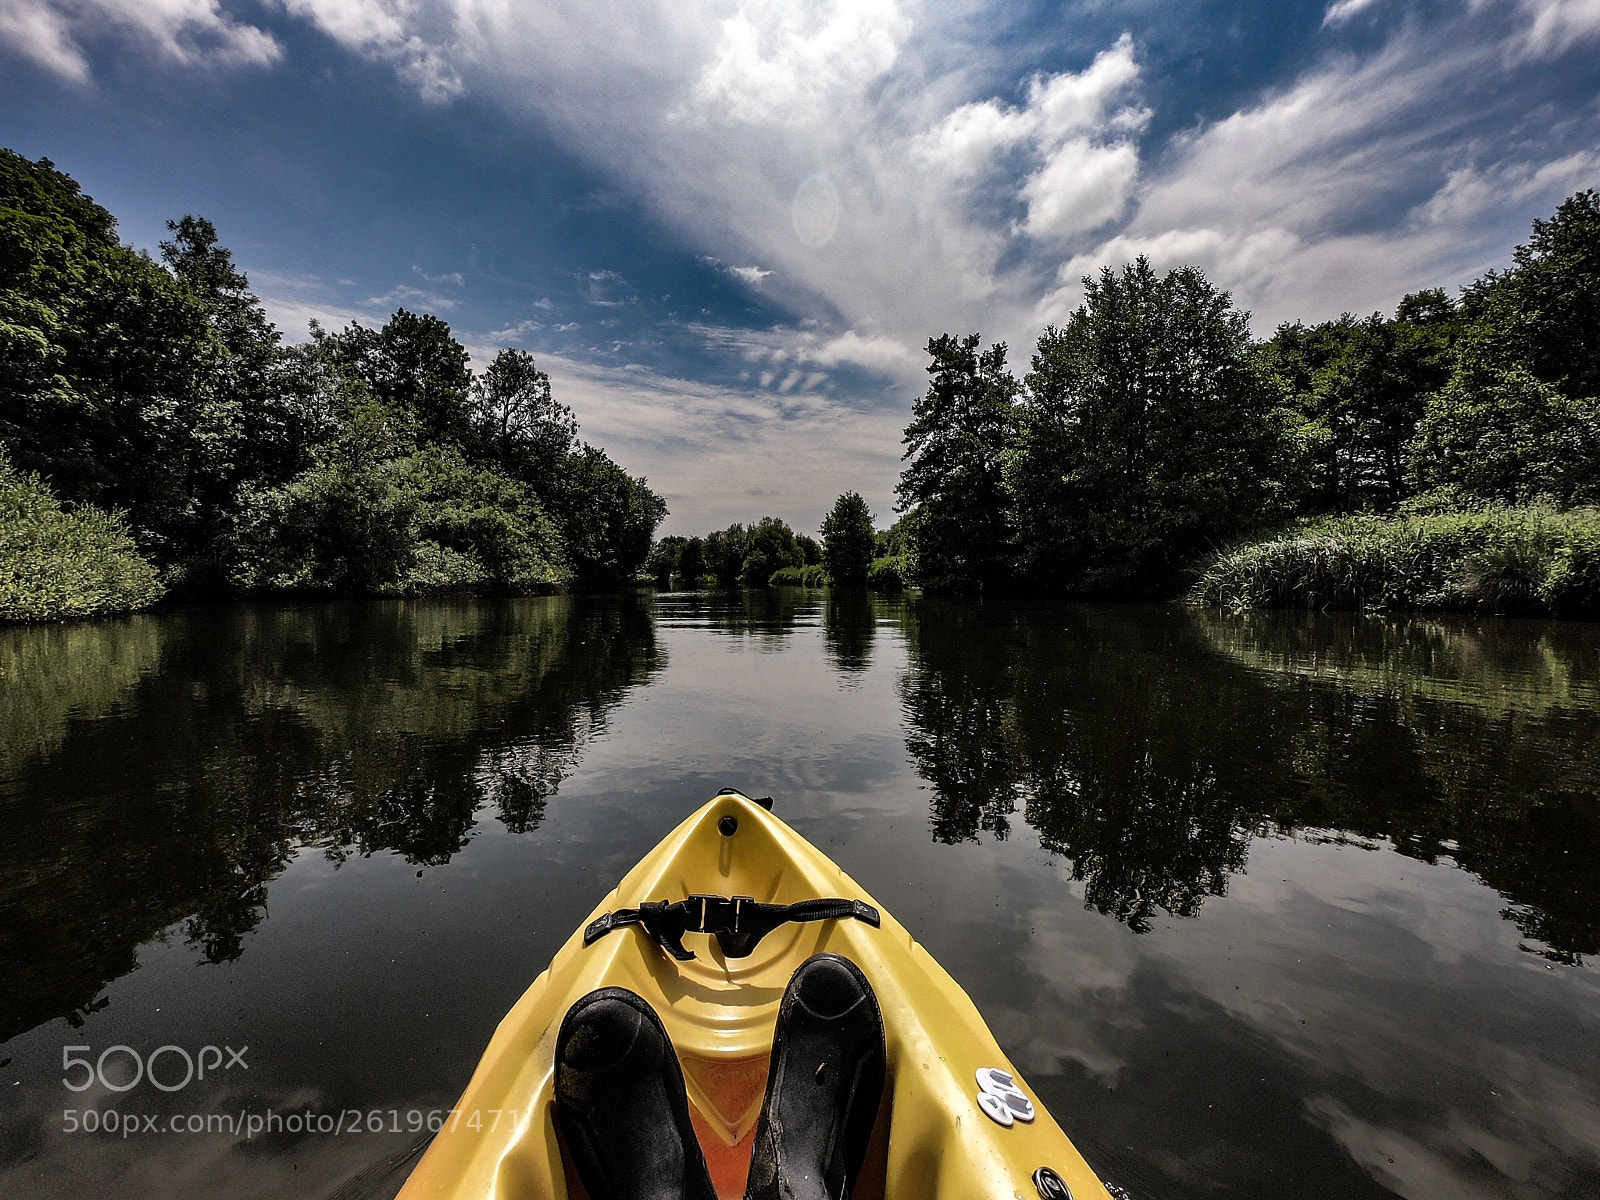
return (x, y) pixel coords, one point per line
(1501, 560)
(484, 520)
(1571, 586)
(811, 576)
(888, 573)
(358, 522)
(342, 525)
(57, 563)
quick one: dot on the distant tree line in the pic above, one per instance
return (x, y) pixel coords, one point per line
(851, 553)
(365, 461)
(1153, 431)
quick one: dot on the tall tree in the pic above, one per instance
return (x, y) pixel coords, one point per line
(262, 428)
(953, 479)
(847, 541)
(1502, 434)
(415, 369)
(1520, 417)
(1149, 433)
(105, 362)
(606, 516)
(1544, 313)
(521, 422)
(1359, 387)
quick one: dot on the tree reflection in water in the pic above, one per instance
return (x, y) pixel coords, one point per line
(352, 728)
(1148, 746)
(848, 626)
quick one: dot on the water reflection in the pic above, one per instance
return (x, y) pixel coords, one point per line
(767, 614)
(245, 734)
(1148, 747)
(1338, 1020)
(849, 624)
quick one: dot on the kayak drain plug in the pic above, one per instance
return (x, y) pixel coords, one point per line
(1051, 1186)
(728, 826)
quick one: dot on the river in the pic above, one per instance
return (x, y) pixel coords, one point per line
(1262, 906)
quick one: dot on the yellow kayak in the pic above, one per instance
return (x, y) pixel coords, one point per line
(957, 1122)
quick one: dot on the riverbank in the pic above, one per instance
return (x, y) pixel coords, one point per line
(1529, 561)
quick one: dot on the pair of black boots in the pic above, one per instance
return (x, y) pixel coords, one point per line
(622, 1107)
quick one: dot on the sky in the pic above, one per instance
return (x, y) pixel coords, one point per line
(728, 228)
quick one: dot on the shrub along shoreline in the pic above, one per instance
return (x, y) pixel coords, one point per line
(1509, 561)
(58, 563)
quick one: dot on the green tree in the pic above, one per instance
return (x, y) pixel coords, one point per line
(606, 516)
(1520, 417)
(691, 566)
(105, 362)
(344, 525)
(769, 546)
(847, 541)
(477, 527)
(1501, 433)
(414, 369)
(1359, 389)
(953, 479)
(661, 564)
(1150, 431)
(260, 430)
(749, 554)
(521, 423)
(1544, 313)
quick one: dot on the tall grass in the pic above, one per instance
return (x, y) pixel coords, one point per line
(1530, 561)
(813, 576)
(58, 563)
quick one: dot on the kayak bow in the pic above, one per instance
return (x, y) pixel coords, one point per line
(957, 1122)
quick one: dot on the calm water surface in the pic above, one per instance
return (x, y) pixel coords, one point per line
(1272, 907)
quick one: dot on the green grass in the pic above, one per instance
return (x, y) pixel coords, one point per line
(58, 563)
(813, 576)
(1532, 561)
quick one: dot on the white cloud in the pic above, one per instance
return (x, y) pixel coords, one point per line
(1302, 204)
(415, 35)
(517, 332)
(1076, 129)
(1342, 10)
(1556, 25)
(1083, 186)
(193, 33)
(404, 294)
(780, 61)
(293, 301)
(455, 278)
(1471, 191)
(751, 275)
(811, 347)
(709, 448)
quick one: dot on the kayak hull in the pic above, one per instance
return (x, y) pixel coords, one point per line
(932, 1142)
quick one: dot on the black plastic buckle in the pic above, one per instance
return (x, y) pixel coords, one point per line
(717, 914)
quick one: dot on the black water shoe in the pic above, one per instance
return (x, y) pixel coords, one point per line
(823, 1086)
(621, 1103)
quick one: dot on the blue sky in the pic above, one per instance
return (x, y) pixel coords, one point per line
(728, 228)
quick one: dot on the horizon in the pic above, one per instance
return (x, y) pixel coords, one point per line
(727, 231)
